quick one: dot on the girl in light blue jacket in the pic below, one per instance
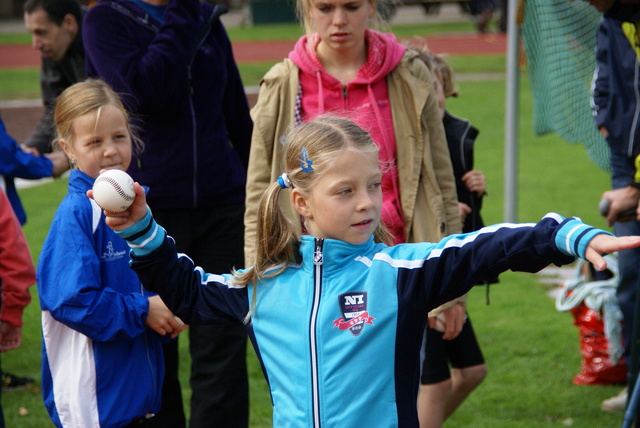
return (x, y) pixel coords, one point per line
(337, 316)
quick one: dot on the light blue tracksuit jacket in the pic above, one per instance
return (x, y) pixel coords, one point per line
(338, 335)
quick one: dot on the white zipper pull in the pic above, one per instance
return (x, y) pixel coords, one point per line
(318, 257)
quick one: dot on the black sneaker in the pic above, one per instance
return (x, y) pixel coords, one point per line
(11, 382)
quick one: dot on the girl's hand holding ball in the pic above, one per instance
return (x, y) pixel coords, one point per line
(120, 220)
(113, 190)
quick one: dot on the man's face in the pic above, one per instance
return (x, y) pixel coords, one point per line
(50, 39)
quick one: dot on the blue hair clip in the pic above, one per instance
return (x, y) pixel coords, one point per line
(305, 163)
(284, 181)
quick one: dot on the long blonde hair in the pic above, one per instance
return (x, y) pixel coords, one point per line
(89, 96)
(277, 239)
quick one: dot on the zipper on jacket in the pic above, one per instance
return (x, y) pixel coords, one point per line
(634, 123)
(465, 167)
(318, 257)
(344, 91)
(201, 37)
(148, 347)
(194, 140)
(461, 142)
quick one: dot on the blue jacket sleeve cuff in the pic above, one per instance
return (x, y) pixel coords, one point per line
(144, 236)
(574, 237)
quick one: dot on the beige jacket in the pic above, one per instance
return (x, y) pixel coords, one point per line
(427, 185)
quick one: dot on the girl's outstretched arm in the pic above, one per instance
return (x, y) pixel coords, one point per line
(607, 244)
(132, 215)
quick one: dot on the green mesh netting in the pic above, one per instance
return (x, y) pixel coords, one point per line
(560, 39)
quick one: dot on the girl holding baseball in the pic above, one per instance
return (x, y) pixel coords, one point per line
(102, 361)
(337, 316)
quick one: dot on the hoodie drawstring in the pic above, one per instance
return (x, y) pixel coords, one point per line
(320, 92)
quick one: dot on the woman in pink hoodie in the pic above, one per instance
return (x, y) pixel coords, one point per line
(341, 67)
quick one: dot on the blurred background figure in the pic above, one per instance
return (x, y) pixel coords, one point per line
(56, 31)
(453, 363)
(17, 274)
(173, 63)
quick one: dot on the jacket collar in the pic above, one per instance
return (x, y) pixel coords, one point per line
(335, 254)
(79, 182)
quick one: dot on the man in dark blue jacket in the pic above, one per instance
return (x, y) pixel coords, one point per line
(616, 109)
(171, 60)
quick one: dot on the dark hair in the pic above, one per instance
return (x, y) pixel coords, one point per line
(56, 9)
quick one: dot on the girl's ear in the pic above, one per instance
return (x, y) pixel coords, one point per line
(65, 148)
(301, 204)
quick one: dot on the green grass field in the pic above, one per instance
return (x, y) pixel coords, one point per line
(532, 351)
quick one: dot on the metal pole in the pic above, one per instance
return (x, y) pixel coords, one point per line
(511, 116)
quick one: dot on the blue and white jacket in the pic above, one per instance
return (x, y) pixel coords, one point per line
(338, 335)
(101, 365)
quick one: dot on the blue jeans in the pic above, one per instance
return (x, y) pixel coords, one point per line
(629, 265)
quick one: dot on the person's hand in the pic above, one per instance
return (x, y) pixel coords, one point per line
(449, 321)
(475, 181)
(622, 200)
(132, 215)
(606, 244)
(29, 149)
(60, 163)
(463, 210)
(603, 131)
(10, 336)
(162, 320)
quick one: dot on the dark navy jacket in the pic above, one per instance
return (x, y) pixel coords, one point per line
(461, 136)
(186, 94)
(616, 97)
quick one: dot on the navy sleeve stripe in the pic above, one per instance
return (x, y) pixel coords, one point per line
(578, 239)
(143, 232)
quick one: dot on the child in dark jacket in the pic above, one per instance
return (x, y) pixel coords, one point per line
(453, 363)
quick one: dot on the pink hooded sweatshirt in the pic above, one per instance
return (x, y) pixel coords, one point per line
(365, 100)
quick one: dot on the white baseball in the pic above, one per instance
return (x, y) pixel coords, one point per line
(113, 190)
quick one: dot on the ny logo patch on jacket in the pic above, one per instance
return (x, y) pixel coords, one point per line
(353, 307)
